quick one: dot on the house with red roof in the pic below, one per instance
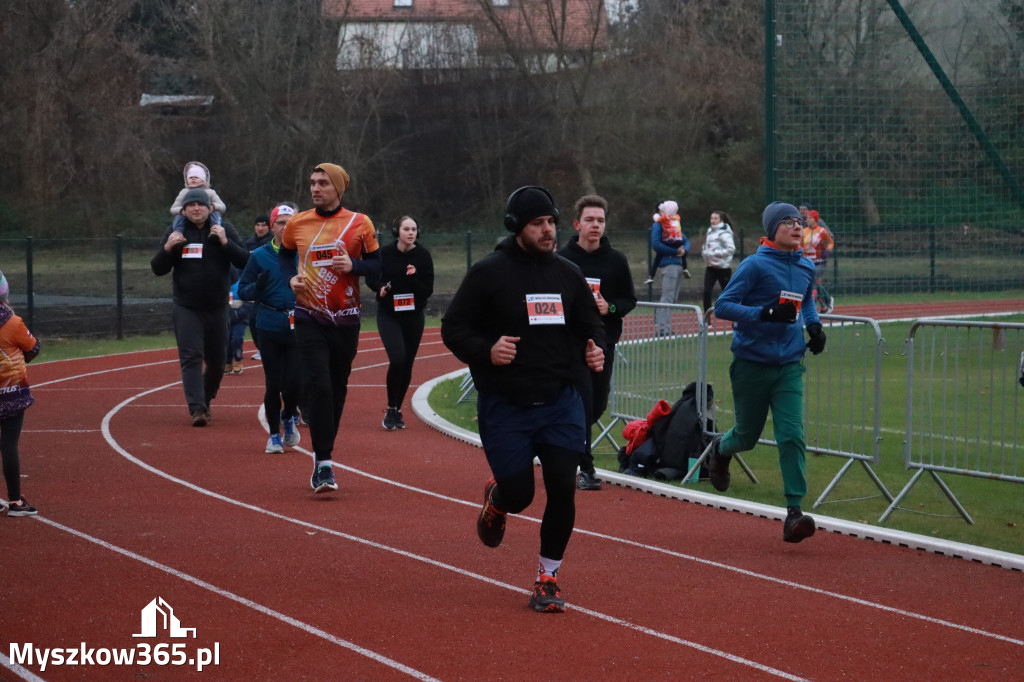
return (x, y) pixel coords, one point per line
(452, 34)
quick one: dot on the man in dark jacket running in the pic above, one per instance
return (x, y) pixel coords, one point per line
(525, 322)
(607, 273)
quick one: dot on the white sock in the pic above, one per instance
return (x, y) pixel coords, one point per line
(548, 567)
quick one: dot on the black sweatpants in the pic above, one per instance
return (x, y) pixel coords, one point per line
(326, 353)
(10, 434)
(202, 336)
(281, 377)
(514, 493)
(711, 276)
(400, 333)
(594, 388)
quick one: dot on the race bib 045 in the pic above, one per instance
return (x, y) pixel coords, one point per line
(322, 255)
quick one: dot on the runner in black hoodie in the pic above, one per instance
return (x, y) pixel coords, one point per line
(525, 322)
(607, 273)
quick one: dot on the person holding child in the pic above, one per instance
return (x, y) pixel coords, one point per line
(670, 248)
(17, 348)
(197, 176)
(201, 257)
(769, 301)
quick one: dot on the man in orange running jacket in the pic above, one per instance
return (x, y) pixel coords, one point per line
(324, 251)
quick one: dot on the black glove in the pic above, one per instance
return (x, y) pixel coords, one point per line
(817, 341)
(779, 312)
(262, 279)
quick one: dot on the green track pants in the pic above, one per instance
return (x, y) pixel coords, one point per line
(756, 388)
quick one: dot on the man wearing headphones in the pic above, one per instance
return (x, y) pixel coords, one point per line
(405, 283)
(525, 322)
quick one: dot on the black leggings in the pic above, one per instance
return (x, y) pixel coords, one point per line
(10, 434)
(711, 276)
(325, 357)
(400, 334)
(280, 355)
(515, 493)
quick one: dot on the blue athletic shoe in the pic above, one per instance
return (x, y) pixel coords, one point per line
(322, 479)
(291, 432)
(274, 445)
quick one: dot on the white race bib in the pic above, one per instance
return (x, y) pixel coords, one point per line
(192, 251)
(322, 255)
(545, 309)
(595, 286)
(404, 302)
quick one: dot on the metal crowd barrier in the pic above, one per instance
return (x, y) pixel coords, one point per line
(842, 394)
(964, 406)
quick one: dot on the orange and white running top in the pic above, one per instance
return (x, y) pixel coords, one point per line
(17, 346)
(330, 297)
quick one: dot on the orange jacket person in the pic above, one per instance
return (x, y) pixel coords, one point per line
(324, 251)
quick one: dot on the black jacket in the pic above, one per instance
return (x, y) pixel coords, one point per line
(612, 268)
(491, 302)
(393, 268)
(201, 283)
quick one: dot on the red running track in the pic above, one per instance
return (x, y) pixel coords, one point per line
(386, 578)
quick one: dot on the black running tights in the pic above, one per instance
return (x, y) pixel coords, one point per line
(10, 434)
(515, 493)
(400, 333)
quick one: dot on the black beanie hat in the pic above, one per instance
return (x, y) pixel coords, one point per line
(196, 196)
(527, 203)
(262, 218)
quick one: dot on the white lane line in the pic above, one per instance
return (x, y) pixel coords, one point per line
(410, 555)
(652, 548)
(305, 627)
(23, 673)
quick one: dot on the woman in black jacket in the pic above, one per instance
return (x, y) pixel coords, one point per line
(406, 282)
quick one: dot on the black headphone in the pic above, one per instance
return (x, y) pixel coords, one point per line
(397, 223)
(512, 220)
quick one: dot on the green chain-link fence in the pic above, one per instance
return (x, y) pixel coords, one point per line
(903, 124)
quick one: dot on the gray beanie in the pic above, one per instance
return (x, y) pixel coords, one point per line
(195, 196)
(775, 213)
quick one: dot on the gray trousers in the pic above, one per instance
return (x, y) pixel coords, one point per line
(202, 336)
(670, 276)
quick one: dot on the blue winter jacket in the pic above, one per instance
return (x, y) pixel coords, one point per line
(666, 254)
(758, 281)
(274, 298)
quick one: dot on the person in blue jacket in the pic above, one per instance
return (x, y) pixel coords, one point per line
(263, 282)
(769, 301)
(670, 248)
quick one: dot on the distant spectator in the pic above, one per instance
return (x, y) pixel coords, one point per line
(717, 252)
(670, 248)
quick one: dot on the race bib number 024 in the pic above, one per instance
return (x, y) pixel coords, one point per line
(545, 309)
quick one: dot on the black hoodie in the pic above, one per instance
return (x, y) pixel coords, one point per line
(492, 302)
(611, 268)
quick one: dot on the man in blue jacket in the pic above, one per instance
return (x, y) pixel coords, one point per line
(769, 301)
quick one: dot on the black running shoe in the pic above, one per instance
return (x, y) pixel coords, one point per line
(399, 422)
(21, 508)
(718, 467)
(798, 526)
(587, 480)
(389, 419)
(490, 525)
(546, 598)
(322, 479)
(199, 418)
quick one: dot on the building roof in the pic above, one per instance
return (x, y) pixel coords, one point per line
(529, 24)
